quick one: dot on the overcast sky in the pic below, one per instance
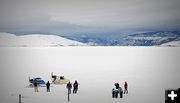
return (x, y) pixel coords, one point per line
(88, 16)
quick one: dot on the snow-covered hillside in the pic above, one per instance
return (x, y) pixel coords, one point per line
(7, 39)
(155, 38)
(172, 44)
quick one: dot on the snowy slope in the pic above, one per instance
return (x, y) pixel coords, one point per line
(172, 44)
(7, 39)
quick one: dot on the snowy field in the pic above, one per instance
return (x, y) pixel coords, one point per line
(148, 71)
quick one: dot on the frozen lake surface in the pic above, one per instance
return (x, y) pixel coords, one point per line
(148, 71)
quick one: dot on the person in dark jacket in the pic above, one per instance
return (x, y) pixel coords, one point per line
(120, 92)
(48, 86)
(69, 86)
(75, 86)
(125, 88)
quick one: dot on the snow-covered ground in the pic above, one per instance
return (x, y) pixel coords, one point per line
(172, 44)
(148, 70)
(35, 40)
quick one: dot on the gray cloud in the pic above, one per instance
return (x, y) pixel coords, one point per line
(69, 16)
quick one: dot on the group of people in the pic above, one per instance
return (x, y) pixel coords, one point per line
(118, 90)
(68, 86)
(75, 87)
(36, 86)
(115, 91)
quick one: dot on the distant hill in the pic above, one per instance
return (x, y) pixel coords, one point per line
(172, 44)
(138, 39)
(7, 39)
(159, 38)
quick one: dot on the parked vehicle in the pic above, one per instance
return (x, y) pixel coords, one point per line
(59, 79)
(40, 82)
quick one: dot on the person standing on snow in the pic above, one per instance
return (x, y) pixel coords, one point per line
(120, 92)
(75, 86)
(48, 86)
(114, 93)
(69, 86)
(125, 88)
(35, 86)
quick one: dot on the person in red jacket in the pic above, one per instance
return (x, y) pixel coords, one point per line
(125, 88)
